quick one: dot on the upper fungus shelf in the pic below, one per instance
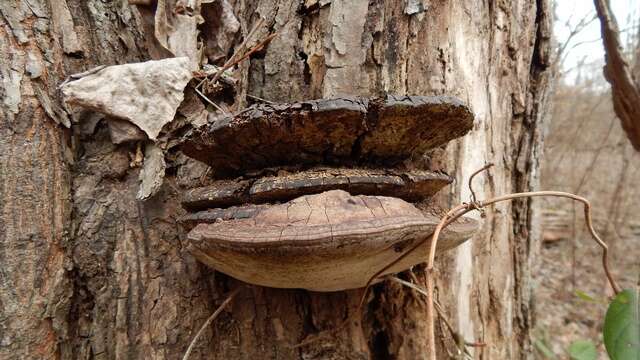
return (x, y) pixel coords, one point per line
(341, 131)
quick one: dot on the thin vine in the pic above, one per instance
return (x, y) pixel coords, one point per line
(464, 208)
(451, 216)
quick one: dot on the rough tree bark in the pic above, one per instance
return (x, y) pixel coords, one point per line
(622, 77)
(90, 272)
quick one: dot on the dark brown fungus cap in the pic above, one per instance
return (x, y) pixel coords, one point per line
(380, 131)
(408, 185)
(322, 228)
(325, 242)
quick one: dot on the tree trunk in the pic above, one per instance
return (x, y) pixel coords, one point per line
(88, 271)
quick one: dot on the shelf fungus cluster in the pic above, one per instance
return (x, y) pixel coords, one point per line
(314, 194)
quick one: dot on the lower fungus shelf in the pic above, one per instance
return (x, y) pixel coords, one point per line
(414, 185)
(324, 242)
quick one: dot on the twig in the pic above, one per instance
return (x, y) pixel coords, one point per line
(582, 121)
(455, 335)
(408, 284)
(473, 193)
(251, 51)
(561, 52)
(260, 99)
(244, 43)
(455, 213)
(587, 214)
(451, 216)
(81, 75)
(209, 320)
(210, 102)
(240, 48)
(457, 338)
(462, 209)
(386, 267)
(233, 60)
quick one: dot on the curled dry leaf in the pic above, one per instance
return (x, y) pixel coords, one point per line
(183, 39)
(121, 131)
(176, 26)
(177, 32)
(152, 173)
(219, 28)
(147, 94)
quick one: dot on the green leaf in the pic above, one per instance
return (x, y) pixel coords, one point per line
(583, 350)
(586, 297)
(546, 352)
(622, 327)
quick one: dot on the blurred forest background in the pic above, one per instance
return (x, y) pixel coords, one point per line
(586, 153)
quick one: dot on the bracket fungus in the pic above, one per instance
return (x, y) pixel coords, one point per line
(320, 199)
(381, 132)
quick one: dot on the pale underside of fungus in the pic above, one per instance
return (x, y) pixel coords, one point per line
(325, 242)
(321, 196)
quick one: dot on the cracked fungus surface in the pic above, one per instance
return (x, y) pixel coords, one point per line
(319, 217)
(406, 185)
(380, 131)
(325, 242)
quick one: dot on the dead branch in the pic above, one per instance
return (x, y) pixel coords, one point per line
(205, 98)
(250, 52)
(625, 94)
(577, 29)
(455, 336)
(209, 320)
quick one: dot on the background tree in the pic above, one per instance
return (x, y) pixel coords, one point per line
(89, 271)
(625, 91)
(586, 152)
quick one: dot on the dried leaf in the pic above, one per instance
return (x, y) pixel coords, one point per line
(162, 24)
(146, 94)
(183, 40)
(152, 173)
(122, 131)
(219, 29)
(176, 32)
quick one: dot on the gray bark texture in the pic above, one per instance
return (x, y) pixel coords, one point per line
(87, 271)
